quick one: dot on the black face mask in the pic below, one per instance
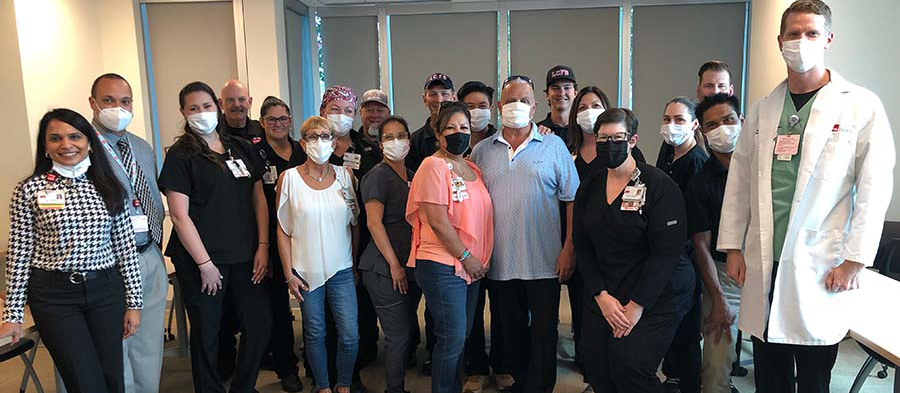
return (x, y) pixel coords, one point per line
(457, 143)
(612, 154)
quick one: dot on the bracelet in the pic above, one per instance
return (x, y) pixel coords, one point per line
(288, 281)
(464, 255)
(204, 262)
(261, 243)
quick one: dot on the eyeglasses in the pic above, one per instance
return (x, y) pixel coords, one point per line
(620, 137)
(270, 120)
(311, 138)
(518, 77)
(390, 137)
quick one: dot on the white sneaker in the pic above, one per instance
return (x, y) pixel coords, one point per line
(504, 381)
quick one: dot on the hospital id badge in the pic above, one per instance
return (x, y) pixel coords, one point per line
(271, 175)
(238, 168)
(631, 206)
(351, 160)
(634, 193)
(140, 223)
(786, 147)
(458, 190)
(349, 198)
(51, 200)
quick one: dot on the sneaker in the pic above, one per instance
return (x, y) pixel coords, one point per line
(504, 381)
(292, 383)
(734, 389)
(426, 367)
(475, 384)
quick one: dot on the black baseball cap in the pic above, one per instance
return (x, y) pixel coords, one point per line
(560, 72)
(439, 78)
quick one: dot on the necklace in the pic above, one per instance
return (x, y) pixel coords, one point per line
(318, 178)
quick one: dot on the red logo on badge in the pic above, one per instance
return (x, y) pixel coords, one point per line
(836, 127)
(51, 177)
(256, 140)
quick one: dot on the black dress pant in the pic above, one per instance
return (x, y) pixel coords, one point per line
(205, 312)
(628, 364)
(685, 358)
(81, 326)
(774, 367)
(476, 359)
(576, 304)
(530, 313)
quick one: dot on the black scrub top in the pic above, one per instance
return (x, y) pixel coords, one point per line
(266, 157)
(632, 255)
(558, 130)
(384, 185)
(251, 129)
(703, 198)
(221, 205)
(685, 167)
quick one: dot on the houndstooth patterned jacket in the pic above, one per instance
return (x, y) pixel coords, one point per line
(81, 237)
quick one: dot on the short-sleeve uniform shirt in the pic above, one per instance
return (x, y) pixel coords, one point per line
(384, 185)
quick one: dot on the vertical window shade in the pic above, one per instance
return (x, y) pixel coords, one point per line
(461, 45)
(670, 44)
(351, 53)
(293, 25)
(542, 39)
(178, 61)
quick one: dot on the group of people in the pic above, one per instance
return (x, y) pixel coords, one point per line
(774, 224)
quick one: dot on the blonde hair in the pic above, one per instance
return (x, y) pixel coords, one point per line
(315, 122)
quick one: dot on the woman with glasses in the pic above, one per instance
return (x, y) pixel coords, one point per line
(317, 233)
(278, 152)
(451, 214)
(629, 232)
(391, 285)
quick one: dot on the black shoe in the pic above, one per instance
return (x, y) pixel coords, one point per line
(358, 387)
(734, 389)
(426, 367)
(671, 386)
(292, 383)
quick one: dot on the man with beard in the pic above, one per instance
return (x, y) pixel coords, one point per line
(235, 102)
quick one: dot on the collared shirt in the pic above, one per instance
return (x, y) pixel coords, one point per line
(250, 129)
(526, 191)
(145, 158)
(422, 143)
(489, 131)
(703, 199)
(558, 130)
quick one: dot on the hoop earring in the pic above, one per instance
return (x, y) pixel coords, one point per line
(46, 154)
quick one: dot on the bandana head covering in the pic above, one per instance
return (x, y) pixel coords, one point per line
(338, 92)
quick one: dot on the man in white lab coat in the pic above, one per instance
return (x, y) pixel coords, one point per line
(804, 206)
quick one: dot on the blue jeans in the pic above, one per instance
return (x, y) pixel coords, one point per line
(452, 305)
(340, 291)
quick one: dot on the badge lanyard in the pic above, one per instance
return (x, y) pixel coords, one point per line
(131, 170)
(271, 175)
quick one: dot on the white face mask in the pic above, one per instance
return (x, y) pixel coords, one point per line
(516, 115)
(480, 119)
(396, 150)
(114, 119)
(342, 123)
(723, 139)
(319, 151)
(203, 123)
(803, 55)
(73, 171)
(587, 118)
(675, 134)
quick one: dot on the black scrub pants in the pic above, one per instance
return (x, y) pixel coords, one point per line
(628, 364)
(685, 357)
(81, 326)
(532, 346)
(205, 313)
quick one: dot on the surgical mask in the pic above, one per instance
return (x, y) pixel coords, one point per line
(480, 118)
(114, 119)
(342, 123)
(457, 143)
(587, 118)
(611, 153)
(516, 115)
(675, 134)
(319, 151)
(803, 55)
(203, 123)
(723, 139)
(73, 171)
(396, 150)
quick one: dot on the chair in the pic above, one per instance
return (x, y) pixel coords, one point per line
(884, 263)
(26, 349)
(178, 311)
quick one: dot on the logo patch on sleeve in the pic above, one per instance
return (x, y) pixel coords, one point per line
(673, 222)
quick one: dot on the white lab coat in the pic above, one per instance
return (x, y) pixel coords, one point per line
(843, 189)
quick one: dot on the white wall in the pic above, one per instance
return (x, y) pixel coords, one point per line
(266, 50)
(864, 51)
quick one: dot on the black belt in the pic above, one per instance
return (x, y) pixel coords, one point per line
(75, 277)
